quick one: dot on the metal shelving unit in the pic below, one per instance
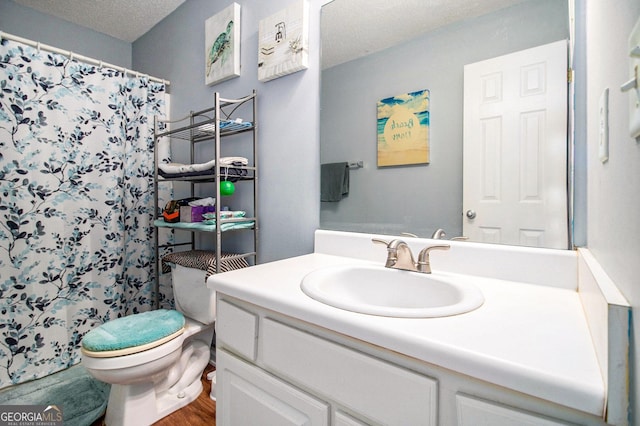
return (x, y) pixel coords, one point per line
(212, 125)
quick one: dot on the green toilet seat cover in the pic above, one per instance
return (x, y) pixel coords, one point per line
(134, 330)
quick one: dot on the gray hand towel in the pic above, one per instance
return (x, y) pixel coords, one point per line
(334, 181)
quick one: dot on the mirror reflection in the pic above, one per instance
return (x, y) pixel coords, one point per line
(424, 198)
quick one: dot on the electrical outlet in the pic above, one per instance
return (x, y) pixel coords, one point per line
(634, 96)
(603, 121)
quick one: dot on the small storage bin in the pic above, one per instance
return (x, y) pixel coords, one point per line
(194, 213)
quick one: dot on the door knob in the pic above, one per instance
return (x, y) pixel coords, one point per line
(471, 214)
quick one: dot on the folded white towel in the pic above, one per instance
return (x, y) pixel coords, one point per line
(186, 168)
(229, 161)
(209, 201)
(173, 168)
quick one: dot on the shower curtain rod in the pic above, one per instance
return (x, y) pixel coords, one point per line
(71, 55)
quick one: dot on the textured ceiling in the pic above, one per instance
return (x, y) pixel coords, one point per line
(123, 19)
(350, 28)
(355, 28)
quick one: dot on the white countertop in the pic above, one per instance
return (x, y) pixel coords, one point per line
(530, 335)
(526, 337)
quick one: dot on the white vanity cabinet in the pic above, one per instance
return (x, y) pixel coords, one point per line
(376, 390)
(475, 412)
(274, 369)
(549, 346)
(295, 377)
(250, 396)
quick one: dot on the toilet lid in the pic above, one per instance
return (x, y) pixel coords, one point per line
(133, 333)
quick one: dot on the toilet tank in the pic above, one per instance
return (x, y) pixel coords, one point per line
(192, 296)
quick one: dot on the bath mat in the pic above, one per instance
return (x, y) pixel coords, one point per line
(82, 398)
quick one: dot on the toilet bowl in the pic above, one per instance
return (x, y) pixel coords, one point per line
(154, 360)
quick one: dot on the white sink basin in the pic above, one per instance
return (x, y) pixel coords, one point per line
(377, 290)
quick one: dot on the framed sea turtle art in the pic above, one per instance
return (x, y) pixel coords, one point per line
(222, 45)
(283, 42)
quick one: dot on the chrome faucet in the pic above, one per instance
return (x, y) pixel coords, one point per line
(438, 234)
(399, 256)
(424, 264)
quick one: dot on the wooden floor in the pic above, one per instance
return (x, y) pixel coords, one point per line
(202, 411)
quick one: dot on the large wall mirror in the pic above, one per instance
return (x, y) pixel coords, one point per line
(365, 59)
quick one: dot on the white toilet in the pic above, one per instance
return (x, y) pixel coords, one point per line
(154, 360)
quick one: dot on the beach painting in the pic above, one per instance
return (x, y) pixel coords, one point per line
(403, 129)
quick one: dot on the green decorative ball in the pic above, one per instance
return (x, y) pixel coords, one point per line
(227, 188)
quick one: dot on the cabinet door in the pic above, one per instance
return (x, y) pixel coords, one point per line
(474, 412)
(245, 395)
(342, 419)
(378, 391)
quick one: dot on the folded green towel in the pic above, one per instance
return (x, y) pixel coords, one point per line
(133, 330)
(205, 226)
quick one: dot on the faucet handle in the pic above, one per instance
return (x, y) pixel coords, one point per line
(439, 234)
(424, 264)
(391, 254)
(399, 254)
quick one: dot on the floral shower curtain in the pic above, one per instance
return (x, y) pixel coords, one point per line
(76, 205)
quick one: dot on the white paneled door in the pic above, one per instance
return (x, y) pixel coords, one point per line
(515, 148)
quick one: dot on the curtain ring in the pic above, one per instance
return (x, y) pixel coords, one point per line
(38, 46)
(71, 56)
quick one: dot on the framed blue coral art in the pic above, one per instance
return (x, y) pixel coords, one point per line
(222, 45)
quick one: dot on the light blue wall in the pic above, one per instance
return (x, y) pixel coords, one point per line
(289, 123)
(418, 199)
(288, 106)
(288, 111)
(29, 23)
(614, 187)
